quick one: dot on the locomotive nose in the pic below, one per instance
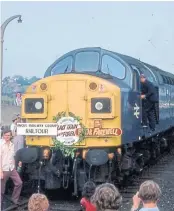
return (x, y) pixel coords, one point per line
(88, 100)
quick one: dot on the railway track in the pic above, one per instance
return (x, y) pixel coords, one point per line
(153, 171)
(128, 191)
(22, 206)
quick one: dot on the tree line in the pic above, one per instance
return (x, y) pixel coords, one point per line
(11, 85)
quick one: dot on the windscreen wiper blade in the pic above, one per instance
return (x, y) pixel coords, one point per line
(66, 69)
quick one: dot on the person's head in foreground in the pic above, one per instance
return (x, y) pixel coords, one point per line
(6, 133)
(38, 202)
(88, 190)
(149, 193)
(106, 197)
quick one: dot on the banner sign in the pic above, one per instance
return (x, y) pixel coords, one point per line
(66, 130)
(37, 129)
(103, 132)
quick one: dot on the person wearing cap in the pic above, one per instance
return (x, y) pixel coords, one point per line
(149, 98)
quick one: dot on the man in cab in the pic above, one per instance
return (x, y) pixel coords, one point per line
(149, 98)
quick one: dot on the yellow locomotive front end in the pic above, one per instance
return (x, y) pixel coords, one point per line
(73, 123)
(77, 111)
(95, 100)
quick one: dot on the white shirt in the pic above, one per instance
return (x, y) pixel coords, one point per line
(13, 127)
(7, 155)
(18, 101)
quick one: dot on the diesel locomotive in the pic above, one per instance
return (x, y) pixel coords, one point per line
(84, 120)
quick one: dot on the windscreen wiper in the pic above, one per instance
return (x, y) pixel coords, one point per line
(66, 69)
(108, 70)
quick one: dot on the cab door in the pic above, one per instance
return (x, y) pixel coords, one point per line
(134, 109)
(137, 93)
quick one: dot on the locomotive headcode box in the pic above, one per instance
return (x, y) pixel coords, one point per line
(37, 129)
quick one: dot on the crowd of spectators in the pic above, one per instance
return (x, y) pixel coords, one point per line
(106, 197)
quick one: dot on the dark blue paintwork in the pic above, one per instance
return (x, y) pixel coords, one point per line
(130, 92)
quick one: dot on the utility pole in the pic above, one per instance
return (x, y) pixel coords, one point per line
(3, 27)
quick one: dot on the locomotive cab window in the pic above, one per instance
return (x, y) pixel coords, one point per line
(87, 61)
(63, 66)
(135, 78)
(136, 82)
(112, 66)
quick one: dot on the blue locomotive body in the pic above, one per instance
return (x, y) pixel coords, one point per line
(138, 145)
(124, 71)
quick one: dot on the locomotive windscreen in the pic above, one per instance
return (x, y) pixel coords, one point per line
(87, 61)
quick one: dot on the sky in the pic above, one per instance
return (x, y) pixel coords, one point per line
(143, 30)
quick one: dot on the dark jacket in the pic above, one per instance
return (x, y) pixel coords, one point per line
(149, 90)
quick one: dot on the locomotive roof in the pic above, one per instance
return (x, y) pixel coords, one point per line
(133, 61)
(127, 59)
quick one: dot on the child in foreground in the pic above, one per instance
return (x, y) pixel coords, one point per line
(38, 202)
(88, 191)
